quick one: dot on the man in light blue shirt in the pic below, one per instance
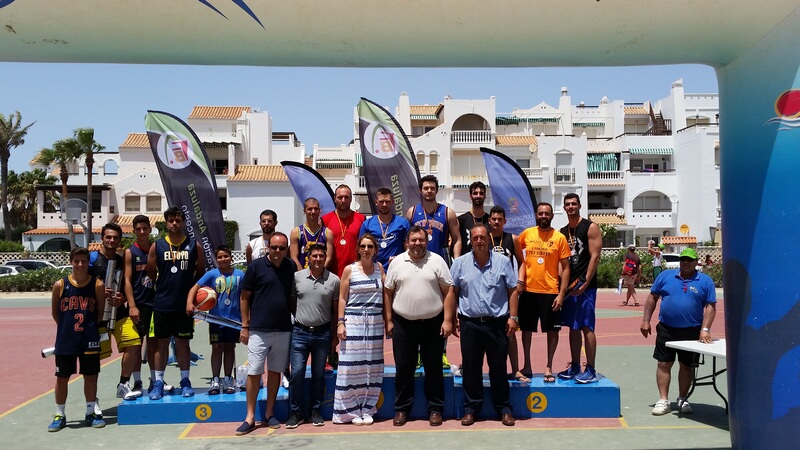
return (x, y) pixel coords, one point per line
(485, 286)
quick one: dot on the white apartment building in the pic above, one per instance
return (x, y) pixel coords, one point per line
(245, 156)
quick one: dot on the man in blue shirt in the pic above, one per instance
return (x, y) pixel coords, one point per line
(687, 311)
(388, 228)
(485, 286)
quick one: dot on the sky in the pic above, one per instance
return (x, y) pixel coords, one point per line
(315, 103)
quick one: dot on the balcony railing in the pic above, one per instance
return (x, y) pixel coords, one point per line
(471, 137)
(563, 175)
(607, 175)
(532, 172)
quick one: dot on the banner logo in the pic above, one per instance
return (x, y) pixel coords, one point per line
(175, 150)
(787, 107)
(383, 141)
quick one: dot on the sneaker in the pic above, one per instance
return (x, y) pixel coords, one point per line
(445, 362)
(228, 385)
(98, 411)
(136, 391)
(213, 390)
(186, 388)
(316, 418)
(367, 419)
(123, 389)
(573, 370)
(58, 423)
(662, 407)
(589, 375)
(157, 391)
(295, 420)
(284, 381)
(358, 421)
(94, 421)
(683, 406)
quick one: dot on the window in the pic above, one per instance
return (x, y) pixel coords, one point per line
(110, 167)
(421, 161)
(523, 163)
(434, 162)
(133, 203)
(153, 203)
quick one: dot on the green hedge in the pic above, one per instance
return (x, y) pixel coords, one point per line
(32, 281)
(11, 247)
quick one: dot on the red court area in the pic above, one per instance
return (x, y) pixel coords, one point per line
(26, 331)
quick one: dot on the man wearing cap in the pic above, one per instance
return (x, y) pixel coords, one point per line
(655, 251)
(631, 269)
(687, 312)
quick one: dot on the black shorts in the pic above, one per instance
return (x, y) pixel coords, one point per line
(169, 324)
(145, 320)
(534, 308)
(66, 365)
(665, 334)
(217, 334)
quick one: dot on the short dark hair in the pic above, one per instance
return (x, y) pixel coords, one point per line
(497, 209)
(78, 251)
(383, 191)
(318, 247)
(141, 218)
(416, 229)
(572, 195)
(223, 248)
(480, 225)
(545, 204)
(477, 185)
(269, 212)
(429, 179)
(174, 211)
(111, 226)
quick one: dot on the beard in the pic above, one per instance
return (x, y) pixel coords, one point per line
(543, 222)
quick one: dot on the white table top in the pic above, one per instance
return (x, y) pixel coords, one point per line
(716, 348)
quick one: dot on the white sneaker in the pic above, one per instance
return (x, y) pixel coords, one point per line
(367, 419)
(97, 409)
(123, 389)
(662, 407)
(136, 391)
(228, 385)
(358, 421)
(684, 405)
(215, 388)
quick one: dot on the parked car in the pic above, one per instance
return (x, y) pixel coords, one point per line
(673, 261)
(7, 270)
(32, 264)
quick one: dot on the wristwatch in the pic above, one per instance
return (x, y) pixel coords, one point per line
(515, 318)
(707, 330)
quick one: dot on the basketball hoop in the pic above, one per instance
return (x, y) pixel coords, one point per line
(73, 211)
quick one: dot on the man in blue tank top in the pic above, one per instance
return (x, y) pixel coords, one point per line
(389, 229)
(175, 263)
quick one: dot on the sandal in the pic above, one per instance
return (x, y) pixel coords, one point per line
(549, 378)
(520, 377)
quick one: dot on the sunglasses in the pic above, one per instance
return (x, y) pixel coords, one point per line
(366, 246)
(277, 247)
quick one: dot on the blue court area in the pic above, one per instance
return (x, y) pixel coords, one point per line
(561, 399)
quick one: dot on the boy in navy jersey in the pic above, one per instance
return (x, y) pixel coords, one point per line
(77, 302)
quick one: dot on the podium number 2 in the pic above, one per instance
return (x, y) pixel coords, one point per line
(537, 402)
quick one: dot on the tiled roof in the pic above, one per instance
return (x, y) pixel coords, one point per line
(61, 230)
(607, 219)
(249, 172)
(136, 140)
(515, 141)
(636, 110)
(425, 110)
(679, 240)
(125, 221)
(218, 112)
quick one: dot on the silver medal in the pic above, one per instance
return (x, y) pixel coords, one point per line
(343, 242)
(174, 269)
(430, 237)
(540, 260)
(227, 302)
(383, 244)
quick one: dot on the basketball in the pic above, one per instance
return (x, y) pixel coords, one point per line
(206, 299)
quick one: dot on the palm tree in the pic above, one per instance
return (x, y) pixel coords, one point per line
(88, 147)
(22, 195)
(64, 153)
(12, 135)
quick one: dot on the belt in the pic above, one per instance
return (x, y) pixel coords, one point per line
(314, 329)
(482, 318)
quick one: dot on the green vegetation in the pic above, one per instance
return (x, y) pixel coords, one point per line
(32, 280)
(11, 246)
(610, 269)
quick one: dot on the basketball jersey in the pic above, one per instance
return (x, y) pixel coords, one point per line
(76, 329)
(465, 223)
(176, 266)
(578, 240)
(259, 246)
(99, 267)
(436, 226)
(143, 291)
(504, 245)
(306, 240)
